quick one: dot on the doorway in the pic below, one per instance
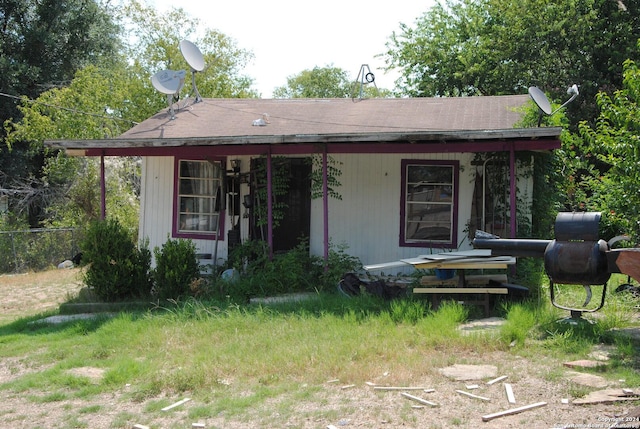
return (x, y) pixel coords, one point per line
(291, 191)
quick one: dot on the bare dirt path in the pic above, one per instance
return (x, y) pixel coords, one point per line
(33, 293)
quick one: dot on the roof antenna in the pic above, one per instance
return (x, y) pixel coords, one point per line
(194, 58)
(365, 77)
(543, 103)
(169, 82)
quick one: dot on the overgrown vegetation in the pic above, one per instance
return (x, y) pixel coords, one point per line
(293, 271)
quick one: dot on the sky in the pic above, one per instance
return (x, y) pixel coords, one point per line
(287, 37)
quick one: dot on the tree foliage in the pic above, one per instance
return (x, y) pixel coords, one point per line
(614, 141)
(495, 47)
(45, 42)
(102, 99)
(326, 82)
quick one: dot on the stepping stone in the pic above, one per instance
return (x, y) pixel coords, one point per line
(590, 380)
(584, 363)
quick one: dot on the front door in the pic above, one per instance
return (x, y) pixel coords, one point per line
(291, 190)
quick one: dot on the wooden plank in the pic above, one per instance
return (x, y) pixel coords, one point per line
(420, 400)
(512, 411)
(425, 389)
(509, 391)
(463, 253)
(177, 404)
(471, 395)
(474, 279)
(464, 265)
(462, 290)
(384, 265)
(495, 380)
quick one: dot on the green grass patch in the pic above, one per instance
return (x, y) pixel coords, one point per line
(240, 359)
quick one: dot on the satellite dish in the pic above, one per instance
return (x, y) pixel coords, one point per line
(168, 81)
(192, 55)
(194, 58)
(540, 99)
(543, 103)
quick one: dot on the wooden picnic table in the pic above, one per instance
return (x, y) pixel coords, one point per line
(462, 284)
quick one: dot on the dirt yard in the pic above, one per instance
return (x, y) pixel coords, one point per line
(462, 396)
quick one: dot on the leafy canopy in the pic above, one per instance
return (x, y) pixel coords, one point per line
(495, 47)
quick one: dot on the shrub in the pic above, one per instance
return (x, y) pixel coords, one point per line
(292, 271)
(116, 268)
(176, 268)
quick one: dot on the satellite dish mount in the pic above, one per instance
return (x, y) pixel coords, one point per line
(194, 58)
(365, 77)
(543, 103)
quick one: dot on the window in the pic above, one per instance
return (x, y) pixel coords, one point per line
(429, 201)
(198, 194)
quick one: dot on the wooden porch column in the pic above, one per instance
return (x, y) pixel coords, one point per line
(269, 206)
(325, 203)
(103, 190)
(512, 190)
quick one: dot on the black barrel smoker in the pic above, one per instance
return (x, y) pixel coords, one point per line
(577, 256)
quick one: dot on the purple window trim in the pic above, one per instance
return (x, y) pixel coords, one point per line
(199, 235)
(403, 204)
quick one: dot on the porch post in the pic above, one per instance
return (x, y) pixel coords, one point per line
(325, 203)
(269, 206)
(512, 190)
(103, 190)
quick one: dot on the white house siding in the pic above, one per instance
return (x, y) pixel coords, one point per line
(367, 219)
(156, 206)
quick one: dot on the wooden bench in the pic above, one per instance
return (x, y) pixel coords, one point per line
(440, 294)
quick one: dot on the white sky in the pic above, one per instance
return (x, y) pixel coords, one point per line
(287, 37)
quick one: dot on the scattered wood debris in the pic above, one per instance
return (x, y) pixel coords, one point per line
(426, 389)
(512, 411)
(418, 399)
(509, 391)
(471, 395)
(177, 404)
(137, 426)
(495, 380)
(348, 386)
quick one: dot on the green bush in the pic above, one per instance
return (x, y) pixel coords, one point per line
(293, 271)
(116, 268)
(176, 270)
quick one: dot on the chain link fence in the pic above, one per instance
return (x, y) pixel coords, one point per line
(37, 249)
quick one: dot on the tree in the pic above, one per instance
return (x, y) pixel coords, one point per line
(615, 142)
(324, 82)
(45, 42)
(102, 101)
(495, 47)
(153, 40)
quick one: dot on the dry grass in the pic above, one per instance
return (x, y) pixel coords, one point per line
(264, 367)
(29, 294)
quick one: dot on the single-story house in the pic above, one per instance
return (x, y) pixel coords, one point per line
(383, 178)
